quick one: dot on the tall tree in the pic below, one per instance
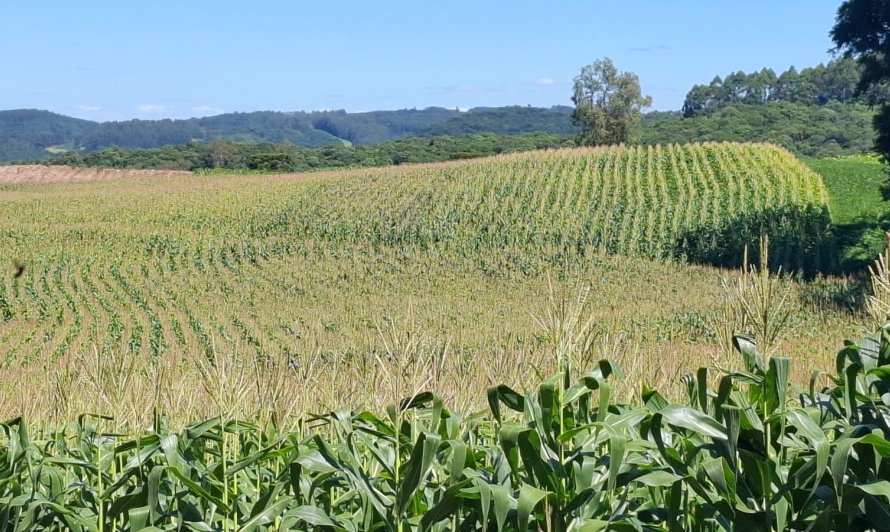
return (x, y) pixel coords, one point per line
(766, 85)
(787, 85)
(699, 98)
(736, 86)
(223, 154)
(839, 80)
(608, 104)
(819, 85)
(862, 30)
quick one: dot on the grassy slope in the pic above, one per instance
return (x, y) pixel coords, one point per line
(853, 185)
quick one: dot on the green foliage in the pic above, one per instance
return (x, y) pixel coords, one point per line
(563, 457)
(853, 185)
(24, 133)
(829, 130)
(608, 104)
(285, 157)
(858, 212)
(512, 120)
(381, 126)
(834, 82)
(138, 133)
(27, 135)
(862, 30)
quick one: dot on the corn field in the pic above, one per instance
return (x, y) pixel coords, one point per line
(565, 457)
(337, 333)
(702, 202)
(323, 273)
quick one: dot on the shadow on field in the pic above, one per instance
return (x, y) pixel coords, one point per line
(801, 240)
(847, 294)
(860, 242)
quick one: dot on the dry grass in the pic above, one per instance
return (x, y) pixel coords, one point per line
(41, 174)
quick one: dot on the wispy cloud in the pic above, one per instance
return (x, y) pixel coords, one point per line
(208, 110)
(88, 108)
(645, 49)
(151, 108)
(548, 82)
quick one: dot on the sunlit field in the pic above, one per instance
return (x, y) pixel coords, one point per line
(132, 288)
(483, 344)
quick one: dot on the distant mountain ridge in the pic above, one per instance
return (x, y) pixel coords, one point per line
(27, 134)
(831, 129)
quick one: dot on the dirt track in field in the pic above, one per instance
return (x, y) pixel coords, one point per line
(38, 174)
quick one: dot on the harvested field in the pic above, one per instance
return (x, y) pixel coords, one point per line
(39, 174)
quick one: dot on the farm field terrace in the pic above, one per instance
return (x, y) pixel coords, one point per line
(338, 290)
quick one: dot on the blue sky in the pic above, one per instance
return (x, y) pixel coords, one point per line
(105, 60)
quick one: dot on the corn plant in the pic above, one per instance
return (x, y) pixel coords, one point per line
(567, 456)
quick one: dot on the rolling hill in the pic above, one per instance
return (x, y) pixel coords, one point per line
(125, 253)
(828, 130)
(157, 300)
(26, 134)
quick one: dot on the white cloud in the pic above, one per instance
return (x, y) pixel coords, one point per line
(545, 81)
(463, 109)
(88, 108)
(151, 109)
(208, 110)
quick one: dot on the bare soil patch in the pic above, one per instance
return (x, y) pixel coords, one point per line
(37, 174)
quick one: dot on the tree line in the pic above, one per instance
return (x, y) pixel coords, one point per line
(817, 112)
(221, 154)
(831, 130)
(836, 81)
(28, 134)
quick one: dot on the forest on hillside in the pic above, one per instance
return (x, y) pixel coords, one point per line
(814, 112)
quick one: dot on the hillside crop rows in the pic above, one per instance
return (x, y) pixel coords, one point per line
(700, 201)
(184, 267)
(313, 351)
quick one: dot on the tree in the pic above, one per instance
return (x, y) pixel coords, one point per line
(761, 86)
(699, 98)
(608, 104)
(736, 86)
(839, 80)
(862, 31)
(223, 154)
(787, 85)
